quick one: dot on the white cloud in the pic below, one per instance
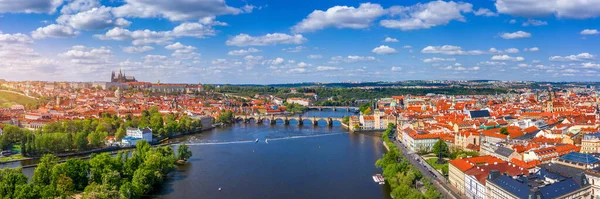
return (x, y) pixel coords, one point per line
(512, 21)
(266, 40)
(516, 35)
(533, 22)
(89, 57)
(76, 6)
(507, 58)
(293, 49)
(450, 50)
(511, 50)
(534, 49)
(590, 65)
(183, 51)
(384, 50)
(353, 58)
(579, 57)
(154, 58)
(461, 68)
(178, 10)
(328, 68)
(54, 31)
(390, 40)
(407, 47)
(93, 19)
(277, 61)
(17, 38)
(138, 37)
(578, 9)
(243, 51)
(29, 6)
(485, 12)
(302, 64)
(137, 49)
(396, 68)
(491, 63)
(424, 16)
(475, 68)
(198, 30)
(314, 56)
(589, 32)
(340, 17)
(437, 59)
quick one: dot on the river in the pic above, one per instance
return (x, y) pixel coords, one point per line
(297, 162)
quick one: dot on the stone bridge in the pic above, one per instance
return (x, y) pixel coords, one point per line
(334, 108)
(286, 119)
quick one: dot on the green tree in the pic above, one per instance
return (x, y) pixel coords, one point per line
(183, 152)
(226, 116)
(121, 132)
(10, 179)
(42, 174)
(100, 191)
(81, 142)
(346, 120)
(440, 147)
(128, 191)
(64, 186)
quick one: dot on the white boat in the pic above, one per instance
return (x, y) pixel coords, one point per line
(256, 141)
(267, 141)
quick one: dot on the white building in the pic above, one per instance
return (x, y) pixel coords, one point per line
(303, 102)
(136, 134)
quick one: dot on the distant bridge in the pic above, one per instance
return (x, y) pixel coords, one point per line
(286, 119)
(334, 108)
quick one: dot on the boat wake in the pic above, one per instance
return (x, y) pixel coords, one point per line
(191, 143)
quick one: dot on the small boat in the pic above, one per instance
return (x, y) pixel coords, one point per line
(256, 141)
(219, 188)
(267, 141)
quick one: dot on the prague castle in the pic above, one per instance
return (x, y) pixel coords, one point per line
(121, 77)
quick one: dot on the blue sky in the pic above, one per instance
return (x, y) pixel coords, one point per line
(261, 42)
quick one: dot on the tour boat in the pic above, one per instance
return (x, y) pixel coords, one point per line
(256, 141)
(267, 141)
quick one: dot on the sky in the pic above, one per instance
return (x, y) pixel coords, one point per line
(292, 41)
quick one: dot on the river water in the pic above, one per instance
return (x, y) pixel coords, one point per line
(297, 162)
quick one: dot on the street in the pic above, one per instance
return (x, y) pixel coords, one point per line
(437, 181)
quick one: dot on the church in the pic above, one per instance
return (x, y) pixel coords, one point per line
(121, 77)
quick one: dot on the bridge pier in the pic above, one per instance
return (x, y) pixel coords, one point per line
(286, 121)
(315, 122)
(300, 122)
(334, 109)
(272, 121)
(329, 122)
(259, 121)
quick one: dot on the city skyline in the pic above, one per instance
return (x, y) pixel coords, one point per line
(265, 42)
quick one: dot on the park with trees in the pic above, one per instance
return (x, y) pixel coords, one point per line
(128, 174)
(403, 178)
(72, 136)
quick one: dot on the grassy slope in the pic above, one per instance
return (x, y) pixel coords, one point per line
(8, 99)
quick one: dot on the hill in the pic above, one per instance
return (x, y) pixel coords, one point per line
(8, 99)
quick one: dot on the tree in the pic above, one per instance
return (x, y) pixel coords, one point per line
(346, 120)
(97, 139)
(504, 131)
(440, 147)
(128, 191)
(121, 132)
(226, 117)
(183, 152)
(81, 142)
(100, 191)
(9, 180)
(43, 172)
(64, 186)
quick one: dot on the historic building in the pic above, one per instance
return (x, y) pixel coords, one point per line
(121, 77)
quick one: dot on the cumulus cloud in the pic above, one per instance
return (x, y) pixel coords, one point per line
(384, 50)
(266, 40)
(578, 57)
(198, 30)
(79, 5)
(241, 52)
(54, 31)
(293, 49)
(137, 49)
(89, 57)
(534, 49)
(138, 37)
(93, 19)
(485, 12)
(314, 56)
(507, 58)
(450, 50)
(396, 68)
(17, 38)
(178, 10)
(29, 6)
(437, 59)
(353, 58)
(578, 9)
(182, 51)
(533, 22)
(390, 40)
(327, 68)
(424, 16)
(589, 32)
(340, 17)
(516, 35)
